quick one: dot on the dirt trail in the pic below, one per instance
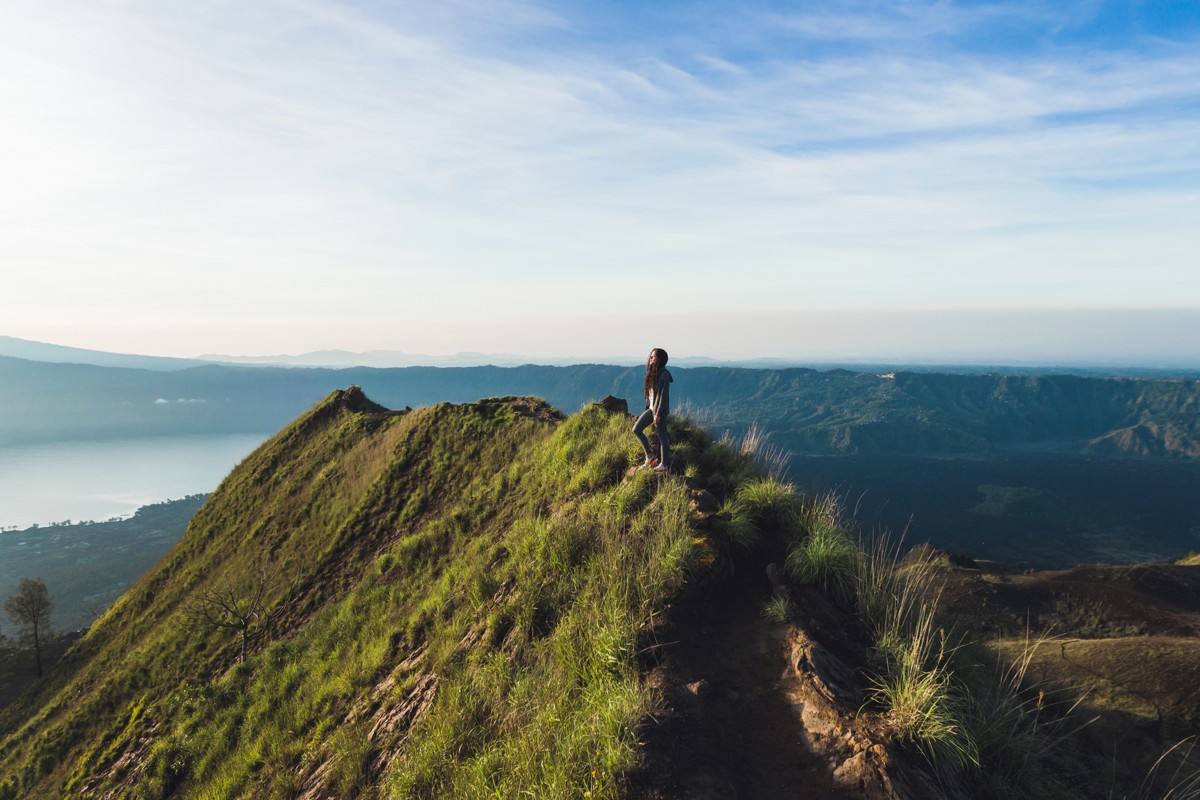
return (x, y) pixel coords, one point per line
(726, 728)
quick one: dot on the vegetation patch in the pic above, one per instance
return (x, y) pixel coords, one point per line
(452, 602)
(461, 601)
(1015, 501)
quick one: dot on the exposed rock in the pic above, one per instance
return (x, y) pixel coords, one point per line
(471, 638)
(828, 696)
(390, 722)
(614, 405)
(505, 592)
(130, 766)
(400, 717)
(826, 673)
(703, 503)
(314, 787)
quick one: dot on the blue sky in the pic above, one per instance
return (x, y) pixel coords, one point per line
(828, 180)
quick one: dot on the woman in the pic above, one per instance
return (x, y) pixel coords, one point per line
(658, 402)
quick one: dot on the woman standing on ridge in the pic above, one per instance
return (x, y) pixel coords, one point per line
(656, 388)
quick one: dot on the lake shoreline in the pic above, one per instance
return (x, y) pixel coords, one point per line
(46, 484)
(86, 566)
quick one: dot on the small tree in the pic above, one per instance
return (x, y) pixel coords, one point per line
(233, 606)
(29, 609)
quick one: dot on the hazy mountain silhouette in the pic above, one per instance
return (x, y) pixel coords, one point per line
(834, 411)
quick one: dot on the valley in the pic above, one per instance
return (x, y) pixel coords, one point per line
(478, 594)
(1029, 510)
(806, 411)
(1017, 474)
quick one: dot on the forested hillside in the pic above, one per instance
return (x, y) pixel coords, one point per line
(804, 410)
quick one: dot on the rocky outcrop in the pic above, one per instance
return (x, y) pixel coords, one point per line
(828, 695)
(614, 405)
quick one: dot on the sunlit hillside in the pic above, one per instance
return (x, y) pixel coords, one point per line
(454, 601)
(492, 600)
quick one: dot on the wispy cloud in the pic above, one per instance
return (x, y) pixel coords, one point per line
(912, 24)
(327, 168)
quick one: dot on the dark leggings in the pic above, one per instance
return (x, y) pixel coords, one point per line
(646, 419)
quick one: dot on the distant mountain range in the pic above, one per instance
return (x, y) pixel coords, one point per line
(336, 359)
(834, 411)
(395, 358)
(57, 354)
(386, 359)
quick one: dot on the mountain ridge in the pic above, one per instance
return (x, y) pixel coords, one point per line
(371, 480)
(483, 598)
(805, 411)
(60, 354)
(380, 358)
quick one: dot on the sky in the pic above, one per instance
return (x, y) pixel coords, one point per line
(1008, 181)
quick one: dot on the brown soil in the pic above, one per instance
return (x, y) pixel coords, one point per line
(1122, 644)
(1086, 601)
(726, 726)
(1137, 697)
(1153, 679)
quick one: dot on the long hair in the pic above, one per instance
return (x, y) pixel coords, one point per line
(653, 369)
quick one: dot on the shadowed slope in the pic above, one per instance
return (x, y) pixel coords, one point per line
(1121, 641)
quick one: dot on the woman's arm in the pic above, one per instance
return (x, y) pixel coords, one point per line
(662, 397)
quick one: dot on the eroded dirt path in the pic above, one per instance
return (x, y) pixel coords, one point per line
(726, 728)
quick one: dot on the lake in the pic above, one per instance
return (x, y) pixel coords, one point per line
(45, 483)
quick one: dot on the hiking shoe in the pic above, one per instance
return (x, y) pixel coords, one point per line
(661, 469)
(649, 462)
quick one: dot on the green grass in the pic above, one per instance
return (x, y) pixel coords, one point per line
(778, 610)
(826, 555)
(917, 686)
(756, 506)
(923, 709)
(488, 579)
(987, 726)
(770, 503)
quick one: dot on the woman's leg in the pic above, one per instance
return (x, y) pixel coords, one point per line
(663, 442)
(645, 419)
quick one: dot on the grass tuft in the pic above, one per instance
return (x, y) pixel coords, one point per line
(826, 557)
(770, 503)
(755, 447)
(778, 610)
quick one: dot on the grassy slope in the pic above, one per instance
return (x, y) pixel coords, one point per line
(461, 597)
